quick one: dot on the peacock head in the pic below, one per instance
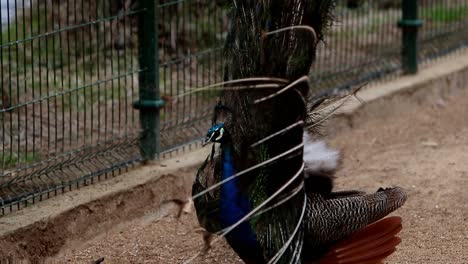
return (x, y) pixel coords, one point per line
(217, 133)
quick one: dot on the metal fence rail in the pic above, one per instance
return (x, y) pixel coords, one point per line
(73, 72)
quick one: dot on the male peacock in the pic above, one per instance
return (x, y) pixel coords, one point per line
(268, 188)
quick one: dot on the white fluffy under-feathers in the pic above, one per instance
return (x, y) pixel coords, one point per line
(318, 157)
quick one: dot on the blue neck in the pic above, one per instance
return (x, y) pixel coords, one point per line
(234, 205)
(229, 190)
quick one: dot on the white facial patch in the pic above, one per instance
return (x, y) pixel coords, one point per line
(211, 136)
(221, 132)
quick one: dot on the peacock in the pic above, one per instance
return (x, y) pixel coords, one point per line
(267, 185)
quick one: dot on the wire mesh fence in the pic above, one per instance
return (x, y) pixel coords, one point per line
(70, 74)
(445, 27)
(365, 43)
(190, 57)
(68, 78)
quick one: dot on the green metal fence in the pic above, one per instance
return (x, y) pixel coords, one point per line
(68, 78)
(83, 81)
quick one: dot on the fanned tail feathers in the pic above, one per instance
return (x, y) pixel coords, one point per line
(370, 245)
(320, 108)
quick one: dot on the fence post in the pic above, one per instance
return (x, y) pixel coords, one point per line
(149, 101)
(410, 25)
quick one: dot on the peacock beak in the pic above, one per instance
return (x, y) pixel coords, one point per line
(205, 141)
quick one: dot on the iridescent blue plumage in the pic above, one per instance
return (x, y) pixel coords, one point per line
(234, 205)
(214, 128)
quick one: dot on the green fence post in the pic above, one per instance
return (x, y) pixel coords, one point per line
(149, 101)
(410, 25)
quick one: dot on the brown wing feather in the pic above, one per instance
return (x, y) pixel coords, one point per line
(370, 245)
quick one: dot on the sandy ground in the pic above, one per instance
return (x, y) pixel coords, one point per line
(423, 149)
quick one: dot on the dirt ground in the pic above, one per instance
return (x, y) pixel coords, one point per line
(423, 148)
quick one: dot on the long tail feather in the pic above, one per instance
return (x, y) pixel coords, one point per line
(370, 245)
(281, 252)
